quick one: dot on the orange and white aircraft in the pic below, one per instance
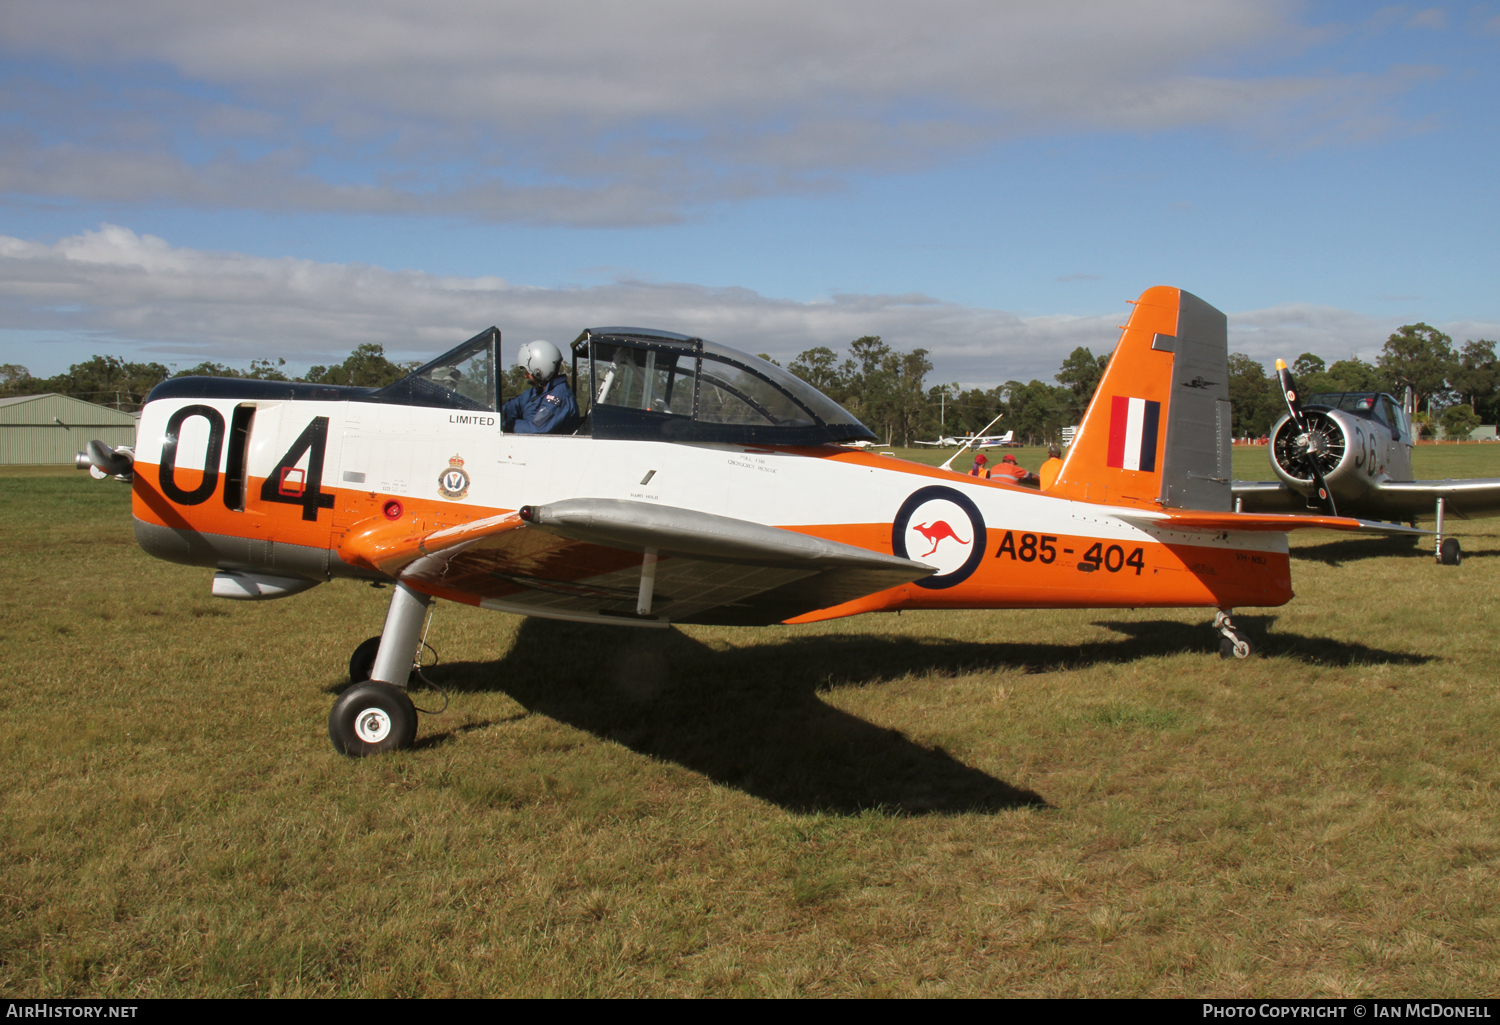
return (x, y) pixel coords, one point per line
(705, 486)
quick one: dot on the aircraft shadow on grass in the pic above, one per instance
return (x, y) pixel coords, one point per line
(751, 718)
(1336, 553)
(1165, 637)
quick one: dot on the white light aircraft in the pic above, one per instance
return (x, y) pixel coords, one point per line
(971, 441)
(704, 486)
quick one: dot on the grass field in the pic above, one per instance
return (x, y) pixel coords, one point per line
(1006, 803)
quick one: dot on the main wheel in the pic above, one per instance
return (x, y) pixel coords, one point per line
(1238, 647)
(1450, 554)
(369, 718)
(363, 660)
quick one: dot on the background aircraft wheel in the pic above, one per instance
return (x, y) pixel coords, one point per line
(363, 660)
(1451, 554)
(369, 718)
(1237, 647)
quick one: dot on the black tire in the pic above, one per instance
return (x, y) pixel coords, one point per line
(1239, 647)
(370, 718)
(1451, 553)
(363, 660)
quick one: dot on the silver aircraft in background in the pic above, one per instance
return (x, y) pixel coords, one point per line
(1349, 454)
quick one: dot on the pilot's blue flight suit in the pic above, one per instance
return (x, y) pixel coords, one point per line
(549, 410)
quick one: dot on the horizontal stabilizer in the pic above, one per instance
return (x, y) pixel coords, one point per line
(1213, 523)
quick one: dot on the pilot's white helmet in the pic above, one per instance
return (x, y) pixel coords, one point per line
(541, 360)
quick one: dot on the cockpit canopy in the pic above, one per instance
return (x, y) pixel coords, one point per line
(1367, 405)
(653, 385)
(638, 384)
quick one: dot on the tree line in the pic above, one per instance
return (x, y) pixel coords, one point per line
(111, 381)
(886, 387)
(1457, 388)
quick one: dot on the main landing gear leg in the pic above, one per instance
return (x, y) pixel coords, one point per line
(1233, 642)
(1447, 550)
(375, 715)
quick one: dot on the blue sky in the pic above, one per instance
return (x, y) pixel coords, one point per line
(991, 181)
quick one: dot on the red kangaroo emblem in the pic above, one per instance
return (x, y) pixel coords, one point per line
(936, 532)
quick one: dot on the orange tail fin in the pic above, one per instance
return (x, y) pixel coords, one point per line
(1157, 432)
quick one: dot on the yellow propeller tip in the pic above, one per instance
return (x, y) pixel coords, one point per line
(1281, 364)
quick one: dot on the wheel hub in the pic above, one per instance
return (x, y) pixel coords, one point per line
(372, 725)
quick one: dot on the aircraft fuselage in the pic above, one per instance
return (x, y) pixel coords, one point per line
(280, 486)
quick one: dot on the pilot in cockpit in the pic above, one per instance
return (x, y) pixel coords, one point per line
(548, 406)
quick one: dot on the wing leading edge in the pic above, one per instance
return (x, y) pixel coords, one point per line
(580, 559)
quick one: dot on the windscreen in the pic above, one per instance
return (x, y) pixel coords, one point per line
(462, 378)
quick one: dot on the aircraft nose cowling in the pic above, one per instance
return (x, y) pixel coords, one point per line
(1293, 453)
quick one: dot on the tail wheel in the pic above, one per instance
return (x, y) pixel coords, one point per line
(370, 718)
(1235, 644)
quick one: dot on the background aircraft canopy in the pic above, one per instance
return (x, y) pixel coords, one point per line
(642, 384)
(1367, 404)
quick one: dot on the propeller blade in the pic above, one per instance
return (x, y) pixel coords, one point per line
(108, 459)
(1289, 393)
(1325, 493)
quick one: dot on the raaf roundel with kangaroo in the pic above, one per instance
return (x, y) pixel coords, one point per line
(704, 486)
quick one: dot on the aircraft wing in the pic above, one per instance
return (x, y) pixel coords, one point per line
(580, 559)
(1397, 500)
(1463, 497)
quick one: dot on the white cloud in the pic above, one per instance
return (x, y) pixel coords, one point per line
(612, 113)
(518, 63)
(140, 297)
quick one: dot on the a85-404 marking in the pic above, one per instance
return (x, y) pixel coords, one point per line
(1043, 548)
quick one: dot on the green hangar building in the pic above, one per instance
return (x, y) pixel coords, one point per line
(54, 428)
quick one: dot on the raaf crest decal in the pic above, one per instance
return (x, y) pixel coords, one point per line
(941, 527)
(454, 482)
